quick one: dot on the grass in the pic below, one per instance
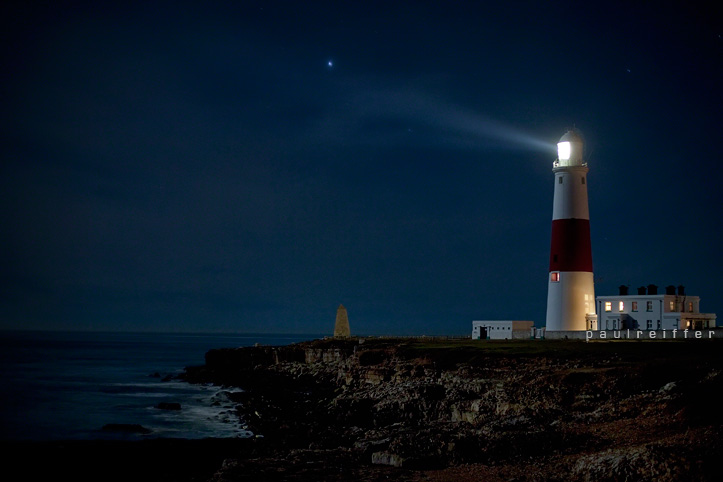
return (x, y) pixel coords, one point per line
(623, 351)
(448, 352)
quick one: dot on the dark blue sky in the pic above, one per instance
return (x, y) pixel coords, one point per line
(202, 167)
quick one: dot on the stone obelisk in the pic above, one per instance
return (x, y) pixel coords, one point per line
(341, 327)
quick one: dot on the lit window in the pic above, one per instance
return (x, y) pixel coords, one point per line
(672, 306)
(555, 277)
(690, 307)
(608, 306)
(635, 306)
(621, 306)
(649, 306)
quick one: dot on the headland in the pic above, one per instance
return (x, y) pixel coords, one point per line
(372, 409)
(435, 409)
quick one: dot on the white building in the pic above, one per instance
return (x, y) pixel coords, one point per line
(649, 310)
(501, 329)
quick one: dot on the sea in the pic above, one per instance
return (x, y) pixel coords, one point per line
(69, 385)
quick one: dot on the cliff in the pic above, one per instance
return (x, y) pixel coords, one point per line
(365, 409)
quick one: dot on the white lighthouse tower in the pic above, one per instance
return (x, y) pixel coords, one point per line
(571, 292)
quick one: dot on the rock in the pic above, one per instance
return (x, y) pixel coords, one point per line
(169, 406)
(385, 458)
(668, 387)
(126, 428)
(426, 406)
(653, 463)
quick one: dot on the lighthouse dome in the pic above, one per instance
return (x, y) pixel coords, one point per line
(569, 149)
(571, 136)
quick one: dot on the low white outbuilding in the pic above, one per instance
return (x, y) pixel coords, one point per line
(501, 329)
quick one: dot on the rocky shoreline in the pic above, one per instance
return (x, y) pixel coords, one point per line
(369, 409)
(434, 410)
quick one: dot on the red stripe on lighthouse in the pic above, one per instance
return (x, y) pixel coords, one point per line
(571, 249)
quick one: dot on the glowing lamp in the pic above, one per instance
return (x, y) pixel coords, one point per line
(563, 151)
(569, 149)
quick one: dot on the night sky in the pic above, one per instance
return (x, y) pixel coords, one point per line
(248, 166)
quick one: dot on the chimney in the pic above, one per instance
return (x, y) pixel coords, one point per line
(641, 290)
(623, 290)
(670, 290)
(652, 290)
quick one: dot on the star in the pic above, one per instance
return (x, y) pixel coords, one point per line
(330, 64)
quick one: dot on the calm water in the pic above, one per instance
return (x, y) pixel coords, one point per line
(62, 385)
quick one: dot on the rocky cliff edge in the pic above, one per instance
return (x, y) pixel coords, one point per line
(367, 409)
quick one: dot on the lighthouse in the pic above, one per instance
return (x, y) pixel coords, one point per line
(570, 292)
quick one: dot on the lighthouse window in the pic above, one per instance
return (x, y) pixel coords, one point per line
(555, 277)
(583, 180)
(559, 180)
(608, 306)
